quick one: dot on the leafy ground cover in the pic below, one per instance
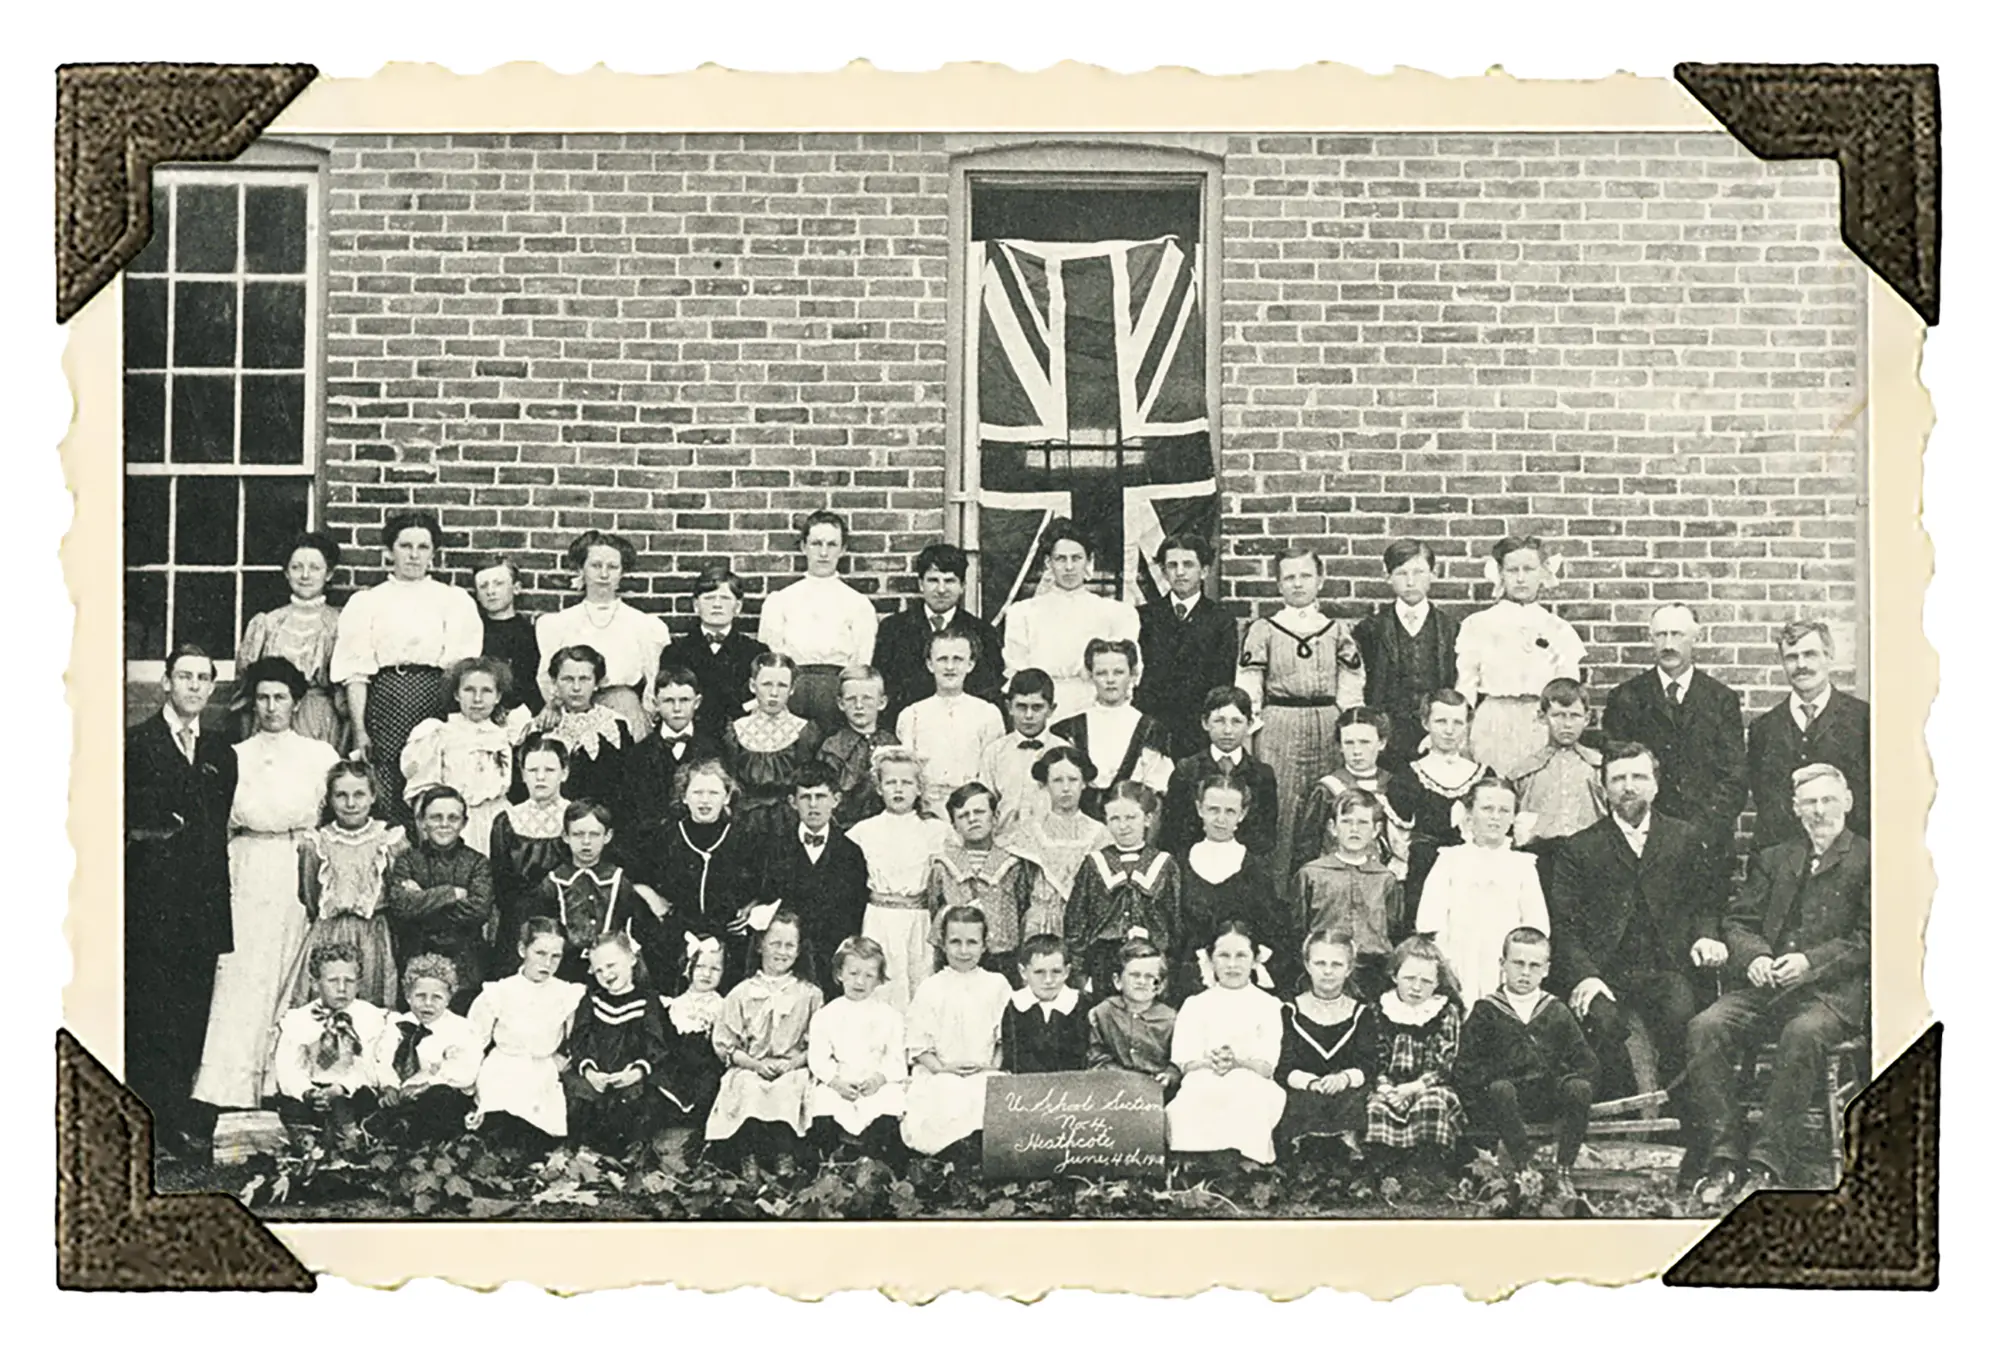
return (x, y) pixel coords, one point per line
(668, 1181)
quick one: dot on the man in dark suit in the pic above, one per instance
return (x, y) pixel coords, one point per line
(819, 874)
(1188, 643)
(180, 779)
(1816, 724)
(1798, 939)
(718, 653)
(902, 642)
(1694, 726)
(1630, 917)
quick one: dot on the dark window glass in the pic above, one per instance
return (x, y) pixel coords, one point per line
(206, 240)
(274, 230)
(145, 520)
(205, 611)
(145, 324)
(1051, 213)
(274, 326)
(274, 514)
(264, 592)
(145, 418)
(205, 520)
(145, 615)
(153, 258)
(204, 325)
(274, 418)
(204, 419)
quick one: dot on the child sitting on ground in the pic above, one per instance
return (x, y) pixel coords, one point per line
(856, 1054)
(616, 1045)
(1522, 1057)
(1226, 1043)
(1046, 1029)
(690, 1071)
(1328, 1055)
(760, 1111)
(1413, 1106)
(1133, 1030)
(953, 1037)
(324, 1063)
(526, 1017)
(426, 1060)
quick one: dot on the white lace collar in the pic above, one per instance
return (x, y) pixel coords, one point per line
(1024, 1000)
(1411, 1015)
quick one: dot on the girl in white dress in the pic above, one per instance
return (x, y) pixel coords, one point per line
(1480, 891)
(629, 640)
(954, 1040)
(1226, 1043)
(1508, 652)
(761, 1036)
(472, 752)
(1051, 629)
(281, 775)
(526, 1018)
(855, 1053)
(898, 844)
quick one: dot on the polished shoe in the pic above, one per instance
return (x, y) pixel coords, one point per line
(1716, 1192)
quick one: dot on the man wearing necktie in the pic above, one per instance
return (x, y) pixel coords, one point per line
(1693, 724)
(902, 641)
(1187, 642)
(180, 780)
(1817, 723)
(1798, 938)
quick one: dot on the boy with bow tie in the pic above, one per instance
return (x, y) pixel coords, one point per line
(324, 1064)
(817, 873)
(1007, 767)
(718, 653)
(426, 1060)
(1225, 720)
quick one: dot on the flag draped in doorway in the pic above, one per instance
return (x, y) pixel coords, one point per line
(1093, 404)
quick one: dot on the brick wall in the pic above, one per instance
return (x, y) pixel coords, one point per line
(1645, 347)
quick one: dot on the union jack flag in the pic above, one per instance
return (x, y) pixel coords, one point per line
(1093, 404)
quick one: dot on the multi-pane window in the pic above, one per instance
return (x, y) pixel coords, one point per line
(221, 402)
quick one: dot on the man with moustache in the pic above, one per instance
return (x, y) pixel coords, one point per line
(1798, 939)
(1694, 726)
(1817, 724)
(1631, 919)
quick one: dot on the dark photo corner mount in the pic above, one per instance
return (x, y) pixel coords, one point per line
(1877, 1229)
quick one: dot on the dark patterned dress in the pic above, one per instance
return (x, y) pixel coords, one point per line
(1417, 1043)
(765, 753)
(1427, 793)
(527, 844)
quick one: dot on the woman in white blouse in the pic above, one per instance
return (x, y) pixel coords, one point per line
(629, 640)
(821, 623)
(395, 641)
(1508, 652)
(1051, 629)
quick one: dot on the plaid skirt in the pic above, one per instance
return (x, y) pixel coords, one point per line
(1435, 1117)
(398, 701)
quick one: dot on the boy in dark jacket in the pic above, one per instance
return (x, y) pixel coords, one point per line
(1046, 1027)
(1522, 1057)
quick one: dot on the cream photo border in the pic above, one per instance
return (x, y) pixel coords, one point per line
(918, 1261)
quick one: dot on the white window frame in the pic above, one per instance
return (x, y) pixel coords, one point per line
(1192, 160)
(264, 164)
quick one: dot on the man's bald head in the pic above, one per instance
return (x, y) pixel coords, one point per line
(1675, 630)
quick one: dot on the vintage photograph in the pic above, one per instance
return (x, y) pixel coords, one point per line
(739, 676)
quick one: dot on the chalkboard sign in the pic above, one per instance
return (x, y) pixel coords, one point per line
(1074, 1124)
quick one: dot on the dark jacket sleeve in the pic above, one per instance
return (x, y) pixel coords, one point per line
(1840, 957)
(1010, 1040)
(1179, 828)
(1743, 930)
(1732, 763)
(1259, 832)
(1479, 1060)
(1569, 913)
(1573, 1058)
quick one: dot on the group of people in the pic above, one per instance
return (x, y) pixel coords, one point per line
(582, 877)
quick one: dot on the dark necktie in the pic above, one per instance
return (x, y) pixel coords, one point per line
(1226, 765)
(814, 841)
(1181, 608)
(184, 740)
(1674, 691)
(1032, 745)
(406, 1062)
(938, 623)
(337, 1038)
(715, 641)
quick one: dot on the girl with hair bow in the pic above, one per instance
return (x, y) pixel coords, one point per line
(690, 1071)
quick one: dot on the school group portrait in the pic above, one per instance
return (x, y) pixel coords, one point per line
(1386, 800)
